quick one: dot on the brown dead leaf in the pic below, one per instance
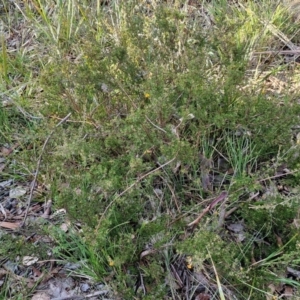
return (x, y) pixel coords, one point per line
(36, 272)
(5, 151)
(288, 291)
(202, 296)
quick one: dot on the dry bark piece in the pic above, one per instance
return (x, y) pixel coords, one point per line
(9, 225)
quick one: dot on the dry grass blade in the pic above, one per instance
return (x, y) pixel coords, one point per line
(279, 34)
(220, 289)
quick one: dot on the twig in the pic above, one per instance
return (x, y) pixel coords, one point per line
(177, 277)
(278, 52)
(172, 192)
(38, 168)
(82, 297)
(230, 211)
(157, 127)
(279, 175)
(128, 188)
(141, 284)
(74, 121)
(220, 198)
(219, 153)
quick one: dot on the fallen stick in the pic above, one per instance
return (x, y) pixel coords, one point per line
(220, 198)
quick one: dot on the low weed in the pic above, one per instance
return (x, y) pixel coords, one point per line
(170, 105)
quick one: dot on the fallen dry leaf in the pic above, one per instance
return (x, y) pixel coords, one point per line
(288, 291)
(29, 260)
(36, 273)
(202, 296)
(5, 151)
(17, 192)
